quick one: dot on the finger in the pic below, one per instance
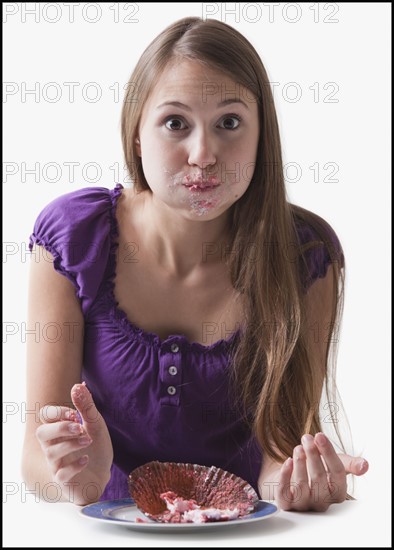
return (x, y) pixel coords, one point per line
(66, 473)
(56, 453)
(46, 433)
(284, 496)
(354, 464)
(300, 484)
(335, 468)
(54, 413)
(315, 464)
(83, 401)
(319, 486)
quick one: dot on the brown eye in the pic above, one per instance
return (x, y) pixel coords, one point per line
(230, 123)
(175, 124)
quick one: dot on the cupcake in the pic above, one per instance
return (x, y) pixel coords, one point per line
(173, 492)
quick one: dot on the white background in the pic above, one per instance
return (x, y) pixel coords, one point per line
(349, 57)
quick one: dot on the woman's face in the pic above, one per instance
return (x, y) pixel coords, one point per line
(198, 140)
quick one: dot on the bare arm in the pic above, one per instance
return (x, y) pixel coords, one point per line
(51, 452)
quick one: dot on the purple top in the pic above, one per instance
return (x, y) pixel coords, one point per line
(130, 372)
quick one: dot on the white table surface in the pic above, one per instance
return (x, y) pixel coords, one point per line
(33, 524)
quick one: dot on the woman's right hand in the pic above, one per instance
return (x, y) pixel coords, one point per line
(79, 455)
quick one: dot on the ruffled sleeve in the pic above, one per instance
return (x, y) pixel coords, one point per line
(76, 229)
(319, 247)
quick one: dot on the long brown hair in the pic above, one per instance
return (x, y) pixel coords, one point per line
(277, 382)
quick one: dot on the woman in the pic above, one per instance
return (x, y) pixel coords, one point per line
(190, 302)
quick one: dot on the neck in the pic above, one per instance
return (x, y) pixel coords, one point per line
(179, 245)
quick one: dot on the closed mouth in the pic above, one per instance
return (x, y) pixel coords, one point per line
(201, 185)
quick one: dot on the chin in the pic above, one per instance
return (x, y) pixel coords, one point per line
(206, 209)
(205, 214)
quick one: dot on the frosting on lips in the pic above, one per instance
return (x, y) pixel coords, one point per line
(201, 188)
(180, 510)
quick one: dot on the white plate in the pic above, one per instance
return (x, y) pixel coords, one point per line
(125, 512)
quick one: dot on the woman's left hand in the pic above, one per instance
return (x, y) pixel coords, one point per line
(316, 475)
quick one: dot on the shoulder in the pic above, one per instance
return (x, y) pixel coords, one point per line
(318, 245)
(73, 212)
(77, 228)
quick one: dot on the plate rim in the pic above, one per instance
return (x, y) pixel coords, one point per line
(152, 525)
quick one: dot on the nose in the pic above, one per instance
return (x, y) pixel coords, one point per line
(202, 150)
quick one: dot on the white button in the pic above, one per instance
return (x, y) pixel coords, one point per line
(174, 348)
(171, 390)
(173, 370)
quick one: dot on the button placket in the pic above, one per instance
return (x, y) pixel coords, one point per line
(170, 373)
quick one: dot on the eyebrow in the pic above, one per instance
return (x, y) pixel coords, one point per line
(187, 108)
